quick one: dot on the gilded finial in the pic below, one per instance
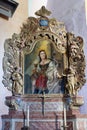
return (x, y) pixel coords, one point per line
(43, 12)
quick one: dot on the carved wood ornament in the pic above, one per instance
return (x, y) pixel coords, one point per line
(43, 28)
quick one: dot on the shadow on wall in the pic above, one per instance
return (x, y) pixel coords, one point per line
(73, 14)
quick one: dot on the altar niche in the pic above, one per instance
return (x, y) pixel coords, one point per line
(43, 69)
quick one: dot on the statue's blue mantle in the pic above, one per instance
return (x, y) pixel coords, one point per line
(43, 22)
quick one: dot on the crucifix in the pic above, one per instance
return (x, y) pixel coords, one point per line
(43, 103)
(43, 96)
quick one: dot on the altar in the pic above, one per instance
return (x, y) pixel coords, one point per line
(44, 113)
(44, 69)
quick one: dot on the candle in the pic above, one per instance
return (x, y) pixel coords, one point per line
(64, 114)
(28, 115)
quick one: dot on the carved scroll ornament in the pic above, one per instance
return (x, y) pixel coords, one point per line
(76, 75)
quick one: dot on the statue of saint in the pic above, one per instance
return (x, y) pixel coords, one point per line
(17, 84)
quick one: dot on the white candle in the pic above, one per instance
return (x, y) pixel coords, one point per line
(64, 114)
(28, 115)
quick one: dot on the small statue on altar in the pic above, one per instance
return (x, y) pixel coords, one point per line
(70, 82)
(17, 81)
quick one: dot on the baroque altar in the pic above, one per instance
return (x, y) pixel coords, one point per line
(44, 69)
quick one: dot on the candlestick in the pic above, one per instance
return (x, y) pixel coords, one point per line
(23, 118)
(64, 114)
(28, 115)
(65, 119)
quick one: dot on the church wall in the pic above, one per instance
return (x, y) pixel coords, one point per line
(7, 28)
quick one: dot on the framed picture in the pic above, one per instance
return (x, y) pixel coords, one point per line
(43, 68)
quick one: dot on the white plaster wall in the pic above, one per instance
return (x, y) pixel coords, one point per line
(35, 5)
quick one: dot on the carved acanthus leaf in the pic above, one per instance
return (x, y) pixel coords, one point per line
(76, 60)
